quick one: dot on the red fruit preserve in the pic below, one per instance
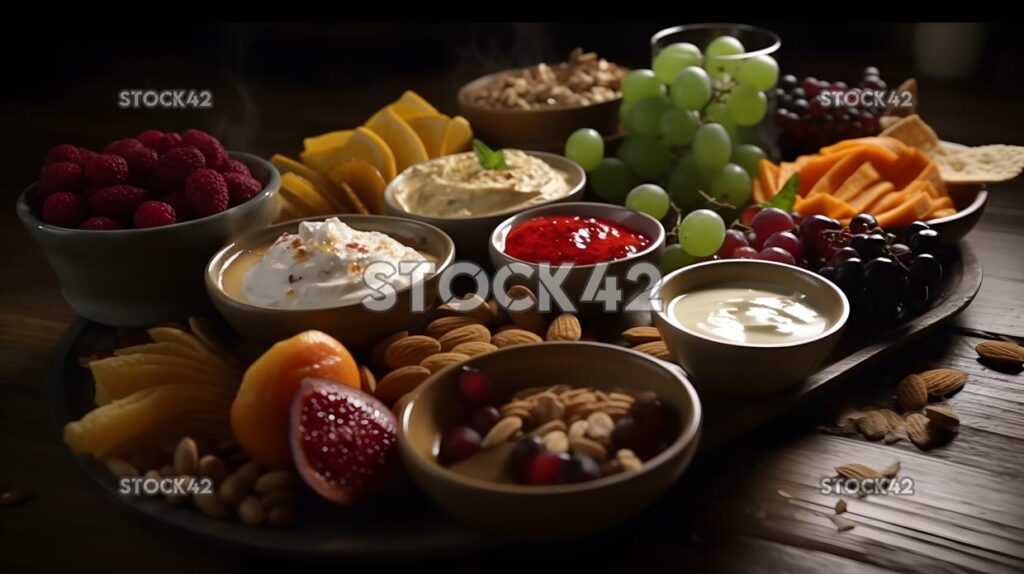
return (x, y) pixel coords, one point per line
(561, 239)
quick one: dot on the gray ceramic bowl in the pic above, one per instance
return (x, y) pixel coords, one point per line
(576, 281)
(748, 369)
(352, 324)
(545, 512)
(470, 233)
(138, 277)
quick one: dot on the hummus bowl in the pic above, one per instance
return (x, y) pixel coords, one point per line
(352, 323)
(471, 232)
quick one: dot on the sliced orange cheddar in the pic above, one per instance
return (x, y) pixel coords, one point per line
(867, 198)
(892, 144)
(786, 170)
(942, 213)
(767, 175)
(918, 206)
(824, 204)
(863, 177)
(942, 203)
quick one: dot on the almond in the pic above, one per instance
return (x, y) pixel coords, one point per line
(638, 335)
(468, 334)
(565, 327)
(943, 382)
(556, 441)
(436, 362)
(410, 350)
(1001, 354)
(919, 430)
(502, 431)
(656, 349)
(367, 382)
(474, 348)
(858, 471)
(873, 425)
(580, 444)
(472, 306)
(442, 325)
(510, 337)
(912, 393)
(401, 381)
(943, 417)
(529, 319)
(499, 316)
(550, 426)
(377, 354)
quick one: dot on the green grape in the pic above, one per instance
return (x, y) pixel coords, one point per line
(674, 257)
(759, 72)
(611, 180)
(673, 58)
(644, 117)
(686, 182)
(640, 84)
(748, 156)
(732, 185)
(717, 66)
(719, 113)
(645, 156)
(701, 232)
(712, 147)
(678, 126)
(747, 105)
(691, 90)
(650, 199)
(585, 147)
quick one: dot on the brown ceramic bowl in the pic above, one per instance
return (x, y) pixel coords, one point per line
(139, 277)
(970, 201)
(746, 368)
(543, 129)
(547, 512)
(352, 324)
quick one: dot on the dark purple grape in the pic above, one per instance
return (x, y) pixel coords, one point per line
(788, 82)
(828, 273)
(844, 254)
(869, 123)
(882, 273)
(871, 71)
(799, 106)
(810, 86)
(926, 270)
(798, 93)
(483, 419)
(901, 253)
(582, 468)
(916, 297)
(863, 223)
(458, 444)
(926, 241)
(915, 227)
(522, 457)
(850, 275)
(869, 245)
(874, 83)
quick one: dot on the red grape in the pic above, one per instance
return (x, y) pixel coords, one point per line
(776, 254)
(769, 221)
(744, 253)
(786, 240)
(748, 213)
(733, 238)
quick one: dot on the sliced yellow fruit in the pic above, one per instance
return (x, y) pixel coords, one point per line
(295, 184)
(458, 136)
(286, 164)
(327, 140)
(364, 180)
(402, 139)
(430, 129)
(286, 211)
(412, 104)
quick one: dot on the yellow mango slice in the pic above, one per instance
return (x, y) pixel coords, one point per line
(294, 185)
(412, 104)
(458, 136)
(400, 138)
(430, 130)
(286, 164)
(326, 141)
(364, 180)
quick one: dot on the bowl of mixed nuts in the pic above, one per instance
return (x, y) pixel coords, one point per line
(550, 440)
(537, 107)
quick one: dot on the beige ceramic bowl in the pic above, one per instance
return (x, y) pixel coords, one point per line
(470, 233)
(546, 512)
(748, 369)
(352, 324)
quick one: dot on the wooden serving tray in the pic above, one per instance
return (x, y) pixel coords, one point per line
(405, 525)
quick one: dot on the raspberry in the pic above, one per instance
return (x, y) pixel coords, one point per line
(154, 214)
(118, 201)
(207, 192)
(63, 152)
(209, 145)
(101, 223)
(106, 169)
(85, 155)
(176, 165)
(234, 166)
(63, 209)
(170, 141)
(241, 187)
(177, 200)
(122, 147)
(61, 176)
(142, 164)
(150, 138)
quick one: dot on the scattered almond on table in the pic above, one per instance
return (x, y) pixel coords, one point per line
(1001, 355)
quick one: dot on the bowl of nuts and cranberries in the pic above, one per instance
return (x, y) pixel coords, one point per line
(538, 107)
(129, 228)
(550, 440)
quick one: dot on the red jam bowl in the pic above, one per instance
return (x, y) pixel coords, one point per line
(582, 240)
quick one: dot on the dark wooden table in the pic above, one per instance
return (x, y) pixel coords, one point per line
(967, 513)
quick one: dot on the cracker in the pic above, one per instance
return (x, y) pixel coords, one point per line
(908, 85)
(914, 132)
(982, 164)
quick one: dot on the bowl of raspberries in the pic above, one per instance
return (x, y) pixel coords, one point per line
(129, 228)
